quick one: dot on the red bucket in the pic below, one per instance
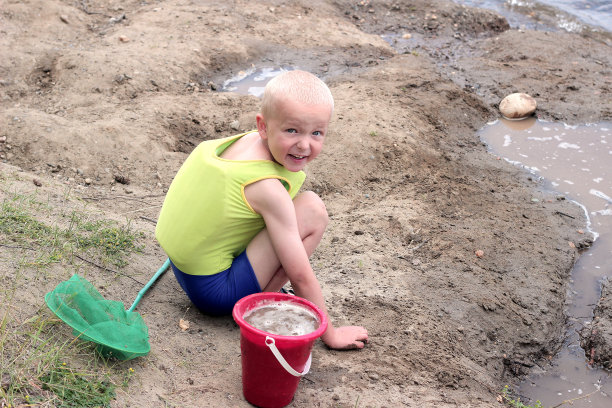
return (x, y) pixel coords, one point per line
(272, 365)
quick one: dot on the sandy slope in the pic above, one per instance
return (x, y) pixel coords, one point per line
(125, 89)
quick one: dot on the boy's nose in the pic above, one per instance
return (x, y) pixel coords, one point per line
(302, 144)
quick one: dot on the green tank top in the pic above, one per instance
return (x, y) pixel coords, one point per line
(206, 221)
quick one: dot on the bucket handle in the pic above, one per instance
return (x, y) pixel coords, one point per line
(272, 344)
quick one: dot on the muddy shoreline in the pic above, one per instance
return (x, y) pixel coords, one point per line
(124, 91)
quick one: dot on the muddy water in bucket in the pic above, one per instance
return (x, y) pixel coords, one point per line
(576, 161)
(272, 364)
(282, 318)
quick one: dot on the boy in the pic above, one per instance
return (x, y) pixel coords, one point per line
(232, 222)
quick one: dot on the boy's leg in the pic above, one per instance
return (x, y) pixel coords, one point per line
(312, 220)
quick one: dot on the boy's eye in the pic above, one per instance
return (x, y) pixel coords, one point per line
(291, 130)
(317, 133)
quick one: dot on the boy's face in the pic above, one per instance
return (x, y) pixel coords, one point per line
(295, 132)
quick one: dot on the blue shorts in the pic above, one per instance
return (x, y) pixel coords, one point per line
(216, 294)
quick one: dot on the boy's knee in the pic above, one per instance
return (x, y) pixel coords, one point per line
(316, 207)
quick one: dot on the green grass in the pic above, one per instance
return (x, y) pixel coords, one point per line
(104, 239)
(41, 362)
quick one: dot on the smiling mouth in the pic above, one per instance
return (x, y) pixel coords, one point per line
(297, 157)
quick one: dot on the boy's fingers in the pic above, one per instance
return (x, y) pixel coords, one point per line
(361, 342)
(354, 337)
(361, 339)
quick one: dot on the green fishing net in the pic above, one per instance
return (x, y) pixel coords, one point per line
(117, 332)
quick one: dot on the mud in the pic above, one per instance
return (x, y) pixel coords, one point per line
(93, 93)
(596, 338)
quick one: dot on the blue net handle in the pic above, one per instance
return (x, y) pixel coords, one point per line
(159, 272)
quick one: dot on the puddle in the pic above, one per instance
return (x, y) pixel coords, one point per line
(577, 162)
(252, 81)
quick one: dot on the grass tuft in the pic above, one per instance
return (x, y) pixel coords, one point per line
(74, 388)
(507, 398)
(34, 371)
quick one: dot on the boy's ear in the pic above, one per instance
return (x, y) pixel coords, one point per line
(261, 126)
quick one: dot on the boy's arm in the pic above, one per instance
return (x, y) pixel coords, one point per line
(270, 199)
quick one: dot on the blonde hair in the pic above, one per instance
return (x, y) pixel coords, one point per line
(300, 86)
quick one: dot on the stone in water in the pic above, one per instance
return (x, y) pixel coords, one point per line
(283, 319)
(517, 106)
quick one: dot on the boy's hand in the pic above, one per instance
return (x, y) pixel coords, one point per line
(346, 338)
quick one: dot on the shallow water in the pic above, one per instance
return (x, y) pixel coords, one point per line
(593, 12)
(570, 15)
(577, 162)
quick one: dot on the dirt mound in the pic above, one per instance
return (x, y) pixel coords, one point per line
(596, 338)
